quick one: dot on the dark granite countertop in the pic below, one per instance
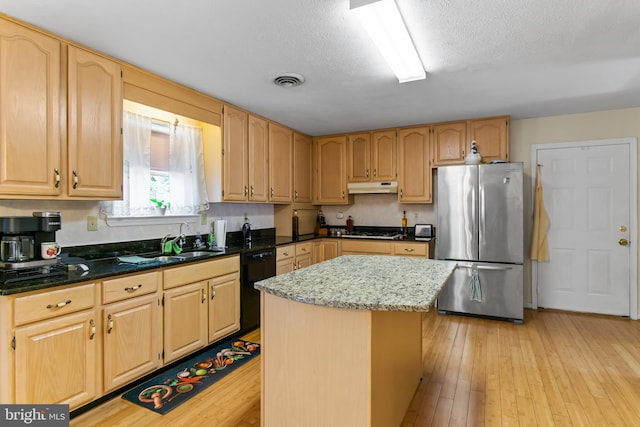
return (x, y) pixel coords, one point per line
(102, 259)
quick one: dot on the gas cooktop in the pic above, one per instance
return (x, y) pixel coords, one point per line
(389, 235)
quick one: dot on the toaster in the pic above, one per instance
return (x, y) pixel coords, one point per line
(424, 232)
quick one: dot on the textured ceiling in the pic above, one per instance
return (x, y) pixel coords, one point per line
(492, 57)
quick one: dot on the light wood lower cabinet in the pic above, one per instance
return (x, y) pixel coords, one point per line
(189, 310)
(55, 352)
(324, 250)
(294, 257)
(132, 328)
(224, 306)
(377, 247)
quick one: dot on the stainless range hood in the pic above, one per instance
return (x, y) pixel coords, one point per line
(372, 187)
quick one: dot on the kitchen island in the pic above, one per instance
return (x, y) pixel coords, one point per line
(342, 339)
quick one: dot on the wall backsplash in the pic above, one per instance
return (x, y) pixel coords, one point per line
(74, 220)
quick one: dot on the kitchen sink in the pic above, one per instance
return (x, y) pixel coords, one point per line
(195, 254)
(169, 258)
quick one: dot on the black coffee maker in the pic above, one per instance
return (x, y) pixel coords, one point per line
(21, 236)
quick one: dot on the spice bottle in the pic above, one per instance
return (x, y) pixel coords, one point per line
(295, 225)
(349, 224)
(404, 222)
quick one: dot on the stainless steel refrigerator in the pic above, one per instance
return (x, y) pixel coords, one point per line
(480, 225)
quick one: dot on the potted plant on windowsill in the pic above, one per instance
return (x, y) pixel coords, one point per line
(161, 206)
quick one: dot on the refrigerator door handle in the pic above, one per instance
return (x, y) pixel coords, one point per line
(486, 267)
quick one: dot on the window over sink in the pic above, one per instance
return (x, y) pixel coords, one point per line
(163, 170)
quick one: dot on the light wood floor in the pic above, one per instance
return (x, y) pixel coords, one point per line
(558, 368)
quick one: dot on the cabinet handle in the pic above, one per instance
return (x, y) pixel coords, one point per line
(252, 192)
(375, 173)
(303, 249)
(60, 304)
(204, 296)
(367, 173)
(109, 323)
(213, 292)
(56, 178)
(401, 193)
(92, 328)
(409, 249)
(285, 253)
(295, 194)
(246, 190)
(75, 179)
(133, 288)
(272, 191)
(342, 195)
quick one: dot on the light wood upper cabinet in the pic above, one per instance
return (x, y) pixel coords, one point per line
(280, 163)
(414, 169)
(384, 155)
(94, 125)
(359, 154)
(492, 136)
(372, 156)
(30, 139)
(302, 168)
(258, 154)
(330, 178)
(235, 154)
(449, 143)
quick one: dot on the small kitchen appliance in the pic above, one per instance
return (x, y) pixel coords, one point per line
(424, 232)
(19, 238)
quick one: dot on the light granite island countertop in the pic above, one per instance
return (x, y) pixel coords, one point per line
(342, 339)
(365, 282)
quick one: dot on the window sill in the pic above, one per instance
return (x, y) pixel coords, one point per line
(127, 221)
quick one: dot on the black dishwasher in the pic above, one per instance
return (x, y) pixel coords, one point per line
(256, 265)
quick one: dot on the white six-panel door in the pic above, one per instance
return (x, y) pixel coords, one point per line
(587, 192)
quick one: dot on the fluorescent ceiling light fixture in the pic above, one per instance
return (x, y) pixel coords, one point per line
(383, 22)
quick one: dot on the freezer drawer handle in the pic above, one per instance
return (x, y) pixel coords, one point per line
(486, 267)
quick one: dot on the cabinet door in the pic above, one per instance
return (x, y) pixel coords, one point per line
(280, 163)
(285, 259)
(224, 306)
(30, 141)
(329, 250)
(331, 170)
(56, 360)
(235, 154)
(448, 142)
(94, 126)
(359, 155)
(384, 156)
(302, 167)
(303, 261)
(132, 337)
(185, 320)
(258, 159)
(414, 171)
(492, 136)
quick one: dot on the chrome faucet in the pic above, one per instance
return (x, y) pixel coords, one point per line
(163, 242)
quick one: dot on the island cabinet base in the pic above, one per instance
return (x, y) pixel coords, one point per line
(325, 366)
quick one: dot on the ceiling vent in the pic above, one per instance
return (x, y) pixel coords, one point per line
(289, 80)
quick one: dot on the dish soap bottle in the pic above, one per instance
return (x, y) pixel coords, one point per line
(404, 222)
(295, 227)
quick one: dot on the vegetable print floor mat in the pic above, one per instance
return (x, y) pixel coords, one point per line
(176, 385)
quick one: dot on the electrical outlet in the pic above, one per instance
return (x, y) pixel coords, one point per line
(416, 215)
(339, 215)
(203, 219)
(92, 223)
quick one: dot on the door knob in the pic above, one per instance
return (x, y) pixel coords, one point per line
(623, 242)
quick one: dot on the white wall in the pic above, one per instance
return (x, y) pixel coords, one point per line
(74, 220)
(574, 127)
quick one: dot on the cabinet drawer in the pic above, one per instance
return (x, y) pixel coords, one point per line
(196, 272)
(50, 304)
(304, 248)
(284, 252)
(365, 247)
(130, 286)
(411, 249)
